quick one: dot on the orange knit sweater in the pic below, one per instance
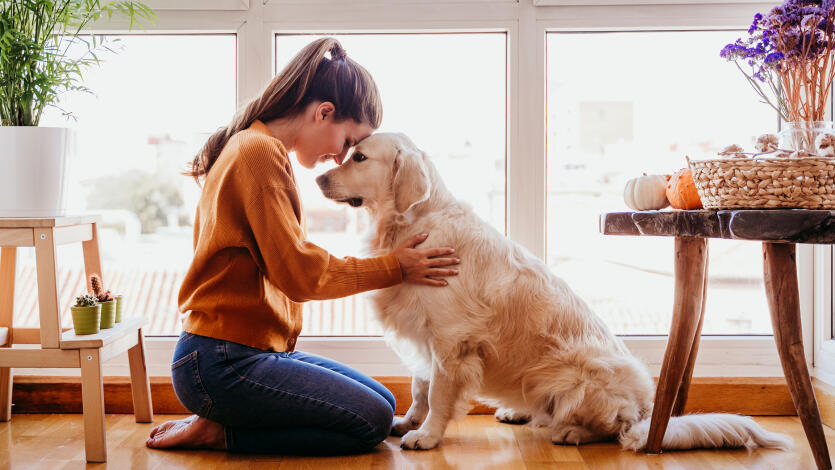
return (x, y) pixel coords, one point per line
(252, 265)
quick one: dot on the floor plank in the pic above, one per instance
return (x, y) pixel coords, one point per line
(55, 441)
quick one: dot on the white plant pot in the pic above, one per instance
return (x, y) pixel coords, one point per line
(33, 170)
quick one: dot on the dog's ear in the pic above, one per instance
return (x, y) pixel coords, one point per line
(411, 184)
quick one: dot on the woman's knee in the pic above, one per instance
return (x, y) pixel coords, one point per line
(389, 397)
(378, 419)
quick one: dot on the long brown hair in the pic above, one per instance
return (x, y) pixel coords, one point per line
(310, 76)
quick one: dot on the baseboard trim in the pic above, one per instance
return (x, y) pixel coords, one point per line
(757, 396)
(825, 394)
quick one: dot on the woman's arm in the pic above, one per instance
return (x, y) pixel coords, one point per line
(304, 271)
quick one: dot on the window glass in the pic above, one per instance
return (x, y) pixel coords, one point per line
(156, 101)
(622, 104)
(447, 93)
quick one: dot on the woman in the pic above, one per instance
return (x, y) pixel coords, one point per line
(235, 366)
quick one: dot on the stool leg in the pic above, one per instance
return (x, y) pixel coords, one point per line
(92, 259)
(8, 263)
(92, 396)
(6, 381)
(139, 385)
(684, 389)
(783, 300)
(50, 313)
(690, 254)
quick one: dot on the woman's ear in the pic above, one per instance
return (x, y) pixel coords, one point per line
(411, 184)
(325, 111)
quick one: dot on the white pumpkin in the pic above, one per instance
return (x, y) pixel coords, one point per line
(646, 193)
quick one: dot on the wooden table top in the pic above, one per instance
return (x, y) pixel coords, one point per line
(784, 225)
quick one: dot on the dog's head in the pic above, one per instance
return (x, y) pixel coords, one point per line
(384, 167)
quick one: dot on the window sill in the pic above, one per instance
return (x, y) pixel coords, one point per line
(719, 356)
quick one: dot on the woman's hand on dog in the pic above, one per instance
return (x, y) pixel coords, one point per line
(425, 265)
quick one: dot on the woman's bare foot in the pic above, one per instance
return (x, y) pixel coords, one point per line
(193, 432)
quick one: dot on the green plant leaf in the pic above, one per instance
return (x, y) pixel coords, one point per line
(36, 36)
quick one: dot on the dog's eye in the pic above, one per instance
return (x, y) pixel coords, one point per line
(358, 157)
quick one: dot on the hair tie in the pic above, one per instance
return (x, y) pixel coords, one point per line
(338, 53)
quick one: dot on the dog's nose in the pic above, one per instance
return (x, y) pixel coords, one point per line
(322, 181)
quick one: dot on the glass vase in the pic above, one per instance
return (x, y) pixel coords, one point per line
(801, 135)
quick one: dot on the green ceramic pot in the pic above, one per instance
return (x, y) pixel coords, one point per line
(85, 320)
(108, 311)
(120, 303)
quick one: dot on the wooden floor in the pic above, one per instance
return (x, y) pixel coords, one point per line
(54, 442)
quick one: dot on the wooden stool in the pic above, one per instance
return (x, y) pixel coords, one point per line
(47, 346)
(779, 230)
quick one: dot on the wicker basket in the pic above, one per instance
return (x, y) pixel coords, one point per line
(765, 182)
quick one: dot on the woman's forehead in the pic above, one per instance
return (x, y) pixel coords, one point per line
(360, 131)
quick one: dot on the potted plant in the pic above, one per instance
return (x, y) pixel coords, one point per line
(789, 60)
(36, 68)
(120, 305)
(86, 314)
(106, 300)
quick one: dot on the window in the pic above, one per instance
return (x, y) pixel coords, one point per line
(447, 93)
(492, 39)
(156, 102)
(619, 105)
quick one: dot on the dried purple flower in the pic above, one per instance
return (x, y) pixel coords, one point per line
(793, 38)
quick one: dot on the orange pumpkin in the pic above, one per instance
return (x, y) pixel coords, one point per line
(681, 191)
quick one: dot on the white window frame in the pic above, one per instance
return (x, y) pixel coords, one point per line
(823, 328)
(824, 343)
(256, 22)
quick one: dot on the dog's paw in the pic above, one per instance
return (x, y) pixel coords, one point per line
(573, 435)
(511, 416)
(401, 426)
(419, 440)
(567, 435)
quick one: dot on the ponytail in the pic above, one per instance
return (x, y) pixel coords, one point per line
(310, 76)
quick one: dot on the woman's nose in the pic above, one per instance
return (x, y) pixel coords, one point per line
(341, 157)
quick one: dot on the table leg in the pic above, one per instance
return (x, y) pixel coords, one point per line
(690, 273)
(783, 300)
(684, 388)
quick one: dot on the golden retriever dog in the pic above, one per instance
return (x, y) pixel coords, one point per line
(506, 330)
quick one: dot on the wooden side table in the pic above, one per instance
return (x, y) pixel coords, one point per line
(779, 230)
(48, 346)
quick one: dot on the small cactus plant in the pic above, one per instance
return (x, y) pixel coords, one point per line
(86, 314)
(86, 300)
(98, 289)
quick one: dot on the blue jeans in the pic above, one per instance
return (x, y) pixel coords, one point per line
(278, 402)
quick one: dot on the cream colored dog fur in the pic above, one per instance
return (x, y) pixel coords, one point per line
(506, 330)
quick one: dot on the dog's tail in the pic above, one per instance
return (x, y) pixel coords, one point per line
(711, 430)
